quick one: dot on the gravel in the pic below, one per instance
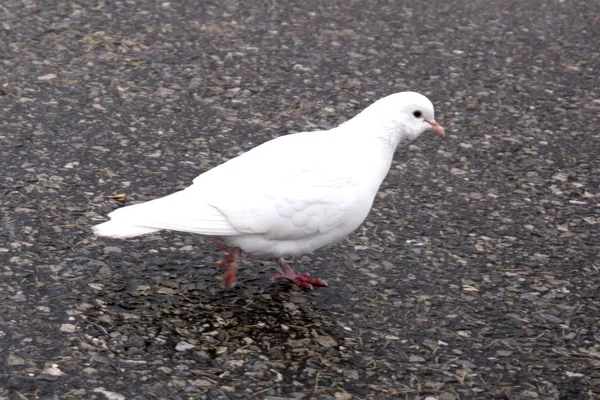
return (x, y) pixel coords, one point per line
(476, 275)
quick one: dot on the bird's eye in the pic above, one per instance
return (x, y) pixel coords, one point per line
(417, 114)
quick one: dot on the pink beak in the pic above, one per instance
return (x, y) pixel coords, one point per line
(436, 127)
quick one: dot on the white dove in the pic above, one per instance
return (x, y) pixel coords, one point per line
(291, 195)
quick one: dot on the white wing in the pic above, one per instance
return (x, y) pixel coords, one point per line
(290, 208)
(281, 189)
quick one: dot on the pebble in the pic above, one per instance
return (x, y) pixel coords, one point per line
(68, 328)
(326, 341)
(184, 346)
(112, 249)
(53, 371)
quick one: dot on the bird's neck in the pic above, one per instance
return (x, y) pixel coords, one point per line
(386, 133)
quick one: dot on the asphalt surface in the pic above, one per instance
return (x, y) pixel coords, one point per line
(476, 275)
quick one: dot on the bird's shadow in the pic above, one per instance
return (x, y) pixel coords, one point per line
(210, 317)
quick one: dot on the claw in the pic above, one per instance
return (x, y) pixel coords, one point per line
(302, 280)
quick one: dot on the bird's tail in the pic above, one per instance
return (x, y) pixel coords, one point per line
(116, 229)
(182, 211)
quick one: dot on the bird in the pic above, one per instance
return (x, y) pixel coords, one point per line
(288, 196)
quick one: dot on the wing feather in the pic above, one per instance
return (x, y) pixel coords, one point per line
(284, 189)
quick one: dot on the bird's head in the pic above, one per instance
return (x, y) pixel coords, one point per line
(399, 116)
(415, 112)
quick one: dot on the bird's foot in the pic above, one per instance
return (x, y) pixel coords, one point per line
(302, 280)
(230, 262)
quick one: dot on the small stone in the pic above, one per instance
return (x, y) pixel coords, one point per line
(96, 286)
(326, 341)
(435, 385)
(47, 77)
(53, 371)
(184, 346)
(164, 92)
(298, 299)
(342, 396)
(549, 318)
(68, 328)
(259, 366)
(574, 374)
(112, 249)
(465, 364)
(109, 395)
(351, 374)
(504, 353)
(177, 383)
(560, 177)
(457, 171)
(84, 306)
(447, 396)
(18, 297)
(431, 343)
(235, 363)
(167, 291)
(156, 154)
(529, 394)
(201, 383)
(13, 360)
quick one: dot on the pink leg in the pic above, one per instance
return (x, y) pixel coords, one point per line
(302, 280)
(230, 262)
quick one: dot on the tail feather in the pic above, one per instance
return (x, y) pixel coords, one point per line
(120, 230)
(181, 211)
